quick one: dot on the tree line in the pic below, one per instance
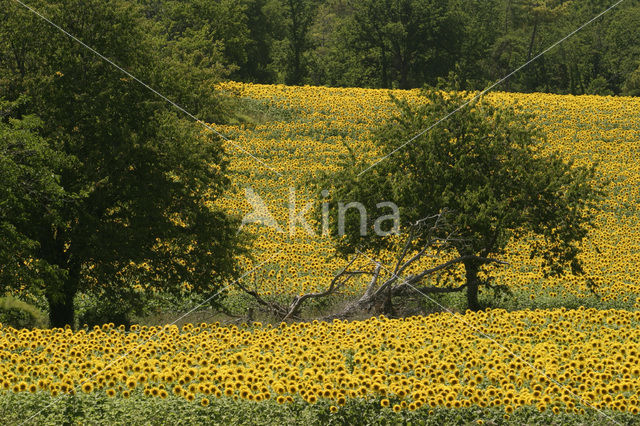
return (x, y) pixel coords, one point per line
(410, 43)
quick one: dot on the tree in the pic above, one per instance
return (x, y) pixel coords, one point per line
(294, 19)
(621, 50)
(631, 86)
(235, 34)
(259, 49)
(30, 194)
(135, 186)
(426, 238)
(487, 166)
(331, 61)
(411, 41)
(478, 35)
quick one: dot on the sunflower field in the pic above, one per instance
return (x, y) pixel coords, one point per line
(313, 127)
(529, 366)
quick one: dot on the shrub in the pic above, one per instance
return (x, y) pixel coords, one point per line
(19, 314)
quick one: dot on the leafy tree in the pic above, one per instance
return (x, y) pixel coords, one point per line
(294, 18)
(204, 40)
(631, 85)
(261, 35)
(330, 61)
(402, 43)
(299, 16)
(478, 34)
(412, 41)
(621, 46)
(486, 165)
(129, 203)
(583, 54)
(30, 194)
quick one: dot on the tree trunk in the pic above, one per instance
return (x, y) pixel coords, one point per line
(404, 74)
(297, 34)
(387, 307)
(384, 65)
(61, 310)
(471, 270)
(533, 38)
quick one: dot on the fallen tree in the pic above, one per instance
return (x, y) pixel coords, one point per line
(426, 238)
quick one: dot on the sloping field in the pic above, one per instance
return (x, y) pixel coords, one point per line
(306, 133)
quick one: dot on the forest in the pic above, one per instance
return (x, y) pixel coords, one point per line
(409, 43)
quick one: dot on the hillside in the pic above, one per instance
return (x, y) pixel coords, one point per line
(304, 131)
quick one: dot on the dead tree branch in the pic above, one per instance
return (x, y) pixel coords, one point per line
(427, 238)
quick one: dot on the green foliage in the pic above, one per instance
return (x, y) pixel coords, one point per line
(407, 48)
(30, 193)
(631, 85)
(122, 184)
(621, 47)
(232, 37)
(484, 165)
(396, 43)
(97, 408)
(404, 43)
(18, 314)
(599, 86)
(292, 42)
(93, 310)
(407, 43)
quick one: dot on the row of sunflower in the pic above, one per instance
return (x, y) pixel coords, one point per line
(555, 360)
